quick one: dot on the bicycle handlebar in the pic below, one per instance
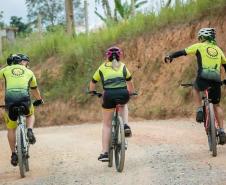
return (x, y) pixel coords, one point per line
(223, 82)
(187, 85)
(94, 93)
(4, 106)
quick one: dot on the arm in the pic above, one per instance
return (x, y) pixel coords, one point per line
(169, 58)
(178, 54)
(92, 86)
(130, 86)
(187, 51)
(36, 93)
(129, 82)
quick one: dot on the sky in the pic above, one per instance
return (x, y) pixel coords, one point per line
(18, 8)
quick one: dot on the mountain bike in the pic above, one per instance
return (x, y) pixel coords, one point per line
(22, 142)
(210, 123)
(118, 143)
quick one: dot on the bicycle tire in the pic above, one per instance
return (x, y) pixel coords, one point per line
(120, 145)
(110, 152)
(212, 130)
(27, 168)
(20, 146)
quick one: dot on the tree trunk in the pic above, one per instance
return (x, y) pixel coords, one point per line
(168, 3)
(86, 16)
(39, 25)
(70, 17)
(133, 8)
(107, 7)
(0, 45)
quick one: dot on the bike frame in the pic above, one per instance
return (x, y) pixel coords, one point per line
(22, 127)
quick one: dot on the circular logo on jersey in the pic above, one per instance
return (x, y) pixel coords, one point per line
(17, 71)
(212, 52)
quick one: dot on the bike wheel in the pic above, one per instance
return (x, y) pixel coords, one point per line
(120, 145)
(110, 152)
(27, 162)
(20, 146)
(212, 131)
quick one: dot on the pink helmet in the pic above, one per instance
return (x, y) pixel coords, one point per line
(113, 51)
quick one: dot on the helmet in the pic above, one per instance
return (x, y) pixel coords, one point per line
(113, 53)
(13, 59)
(23, 57)
(207, 34)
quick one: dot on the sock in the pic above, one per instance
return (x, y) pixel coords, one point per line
(29, 129)
(221, 129)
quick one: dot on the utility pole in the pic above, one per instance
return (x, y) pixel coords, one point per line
(70, 17)
(86, 16)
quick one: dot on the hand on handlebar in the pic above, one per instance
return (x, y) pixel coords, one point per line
(168, 59)
(38, 102)
(94, 93)
(223, 82)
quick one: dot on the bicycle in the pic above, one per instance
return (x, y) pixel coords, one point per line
(22, 142)
(210, 123)
(118, 144)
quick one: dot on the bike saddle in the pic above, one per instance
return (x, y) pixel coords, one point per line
(18, 110)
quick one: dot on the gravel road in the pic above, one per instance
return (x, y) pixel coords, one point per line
(167, 152)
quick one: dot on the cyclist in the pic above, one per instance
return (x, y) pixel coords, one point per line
(18, 80)
(117, 84)
(209, 59)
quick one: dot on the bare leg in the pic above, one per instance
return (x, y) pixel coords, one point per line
(106, 131)
(12, 139)
(30, 121)
(124, 113)
(219, 115)
(197, 98)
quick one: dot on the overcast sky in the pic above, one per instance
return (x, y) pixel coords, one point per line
(18, 8)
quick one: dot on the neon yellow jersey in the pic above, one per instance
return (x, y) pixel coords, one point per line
(209, 55)
(111, 78)
(18, 77)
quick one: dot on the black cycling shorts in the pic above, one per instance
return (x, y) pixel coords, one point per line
(11, 103)
(113, 97)
(214, 91)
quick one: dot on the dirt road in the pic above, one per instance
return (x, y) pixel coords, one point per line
(171, 152)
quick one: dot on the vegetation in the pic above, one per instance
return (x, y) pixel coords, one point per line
(122, 10)
(1, 20)
(23, 29)
(81, 55)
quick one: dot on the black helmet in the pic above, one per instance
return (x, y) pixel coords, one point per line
(23, 57)
(13, 59)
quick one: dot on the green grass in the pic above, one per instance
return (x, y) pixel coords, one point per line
(83, 54)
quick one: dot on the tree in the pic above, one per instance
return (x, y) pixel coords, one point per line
(126, 10)
(22, 27)
(168, 3)
(69, 17)
(123, 10)
(79, 13)
(1, 20)
(51, 11)
(86, 16)
(108, 17)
